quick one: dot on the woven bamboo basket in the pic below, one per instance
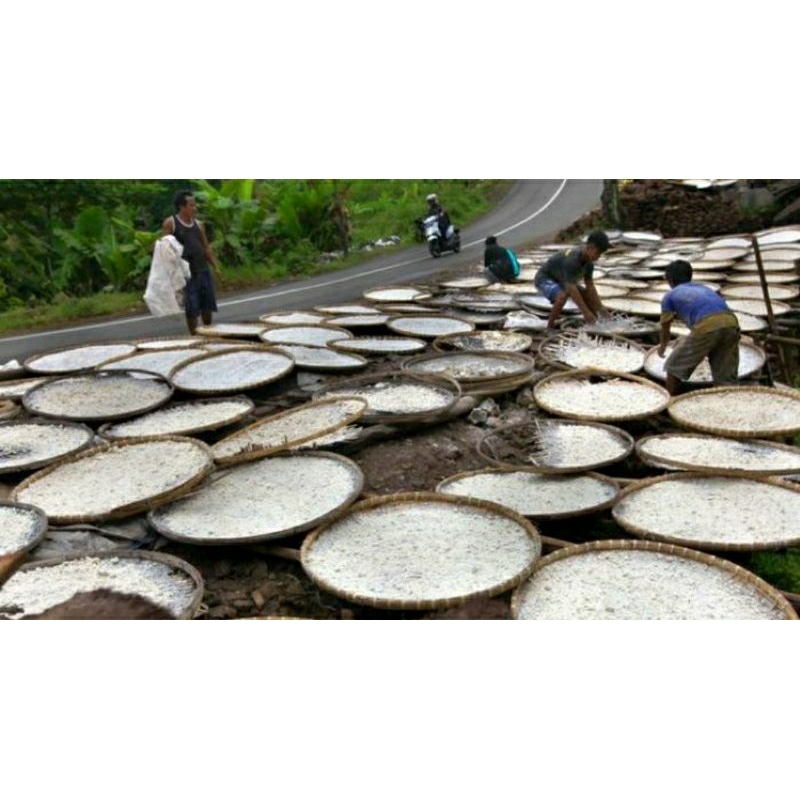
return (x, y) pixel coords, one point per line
(471, 282)
(459, 486)
(455, 365)
(308, 335)
(238, 330)
(428, 327)
(737, 573)
(277, 318)
(618, 325)
(750, 291)
(758, 308)
(396, 294)
(322, 359)
(444, 386)
(553, 349)
(384, 504)
(162, 362)
(660, 400)
(35, 430)
(379, 345)
(25, 540)
(352, 409)
(692, 410)
(702, 464)
(22, 491)
(687, 478)
(15, 390)
(348, 308)
(36, 400)
(307, 499)
(480, 341)
(276, 366)
(494, 446)
(245, 407)
(773, 278)
(193, 601)
(171, 342)
(56, 362)
(354, 321)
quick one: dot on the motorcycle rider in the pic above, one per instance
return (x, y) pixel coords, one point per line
(435, 208)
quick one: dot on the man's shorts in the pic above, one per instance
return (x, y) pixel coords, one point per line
(200, 295)
(549, 288)
(722, 348)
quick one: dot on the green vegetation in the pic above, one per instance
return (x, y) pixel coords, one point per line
(73, 249)
(781, 569)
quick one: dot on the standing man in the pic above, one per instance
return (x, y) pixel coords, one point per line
(569, 274)
(714, 329)
(200, 297)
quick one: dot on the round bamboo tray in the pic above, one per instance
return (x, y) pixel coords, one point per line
(65, 397)
(428, 327)
(396, 294)
(598, 594)
(86, 483)
(162, 362)
(22, 527)
(730, 518)
(309, 335)
(186, 609)
(278, 318)
(578, 350)
(368, 386)
(619, 325)
(196, 376)
(757, 308)
(480, 341)
(465, 367)
(83, 357)
(15, 390)
(280, 496)
(748, 291)
(518, 490)
(13, 451)
(633, 305)
(604, 445)
(170, 343)
(347, 308)
(738, 412)
(223, 330)
(727, 460)
(166, 421)
(361, 321)
(11, 371)
(322, 359)
(455, 570)
(244, 444)
(379, 345)
(601, 398)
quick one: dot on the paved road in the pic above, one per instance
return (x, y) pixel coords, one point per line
(532, 211)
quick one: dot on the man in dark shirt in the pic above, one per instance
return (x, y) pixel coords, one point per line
(200, 296)
(714, 329)
(500, 264)
(568, 274)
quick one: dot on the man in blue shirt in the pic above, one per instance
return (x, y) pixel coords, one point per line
(570, 274)
(714, 329)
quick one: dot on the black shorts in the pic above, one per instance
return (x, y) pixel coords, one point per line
(200, 295)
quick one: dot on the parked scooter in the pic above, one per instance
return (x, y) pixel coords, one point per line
(437, 243)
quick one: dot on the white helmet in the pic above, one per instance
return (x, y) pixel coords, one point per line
(431, 198)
